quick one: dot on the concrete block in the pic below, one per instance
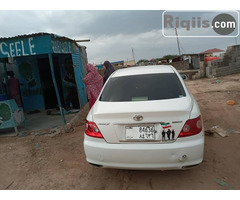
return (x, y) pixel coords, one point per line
(228, 63)
(209, 71)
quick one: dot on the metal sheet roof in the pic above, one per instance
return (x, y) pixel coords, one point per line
(37, 34)
(215, 50)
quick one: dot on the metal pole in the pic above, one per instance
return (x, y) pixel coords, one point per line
(133, 57)
(56, 88)
(177, 42)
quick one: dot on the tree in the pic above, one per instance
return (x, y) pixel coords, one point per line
(142, 60)
(167, 57)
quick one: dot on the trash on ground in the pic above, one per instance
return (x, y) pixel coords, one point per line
(209, 132)
(218, 130)
(230, 102)
(223, 183)
(37, 145)
(233, 131)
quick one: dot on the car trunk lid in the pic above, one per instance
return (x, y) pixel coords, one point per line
(116, 120)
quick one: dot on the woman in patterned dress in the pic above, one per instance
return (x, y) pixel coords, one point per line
(94, 82)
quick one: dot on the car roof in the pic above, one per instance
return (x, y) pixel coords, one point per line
(153, 69)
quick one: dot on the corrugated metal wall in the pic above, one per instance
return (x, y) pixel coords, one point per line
(79, 73)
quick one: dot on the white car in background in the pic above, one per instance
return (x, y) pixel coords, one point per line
(144, 118)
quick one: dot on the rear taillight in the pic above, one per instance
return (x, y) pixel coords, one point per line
(191, 127)
(92, 130)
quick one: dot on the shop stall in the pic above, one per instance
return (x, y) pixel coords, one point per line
(49, 68)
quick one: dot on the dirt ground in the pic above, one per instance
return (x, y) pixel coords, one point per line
(58, 161)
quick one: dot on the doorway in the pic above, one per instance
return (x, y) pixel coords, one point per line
(48, 89)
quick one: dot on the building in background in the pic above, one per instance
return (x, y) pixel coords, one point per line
(212, 52)
(129, 63)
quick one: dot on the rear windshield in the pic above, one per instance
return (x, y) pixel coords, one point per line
(143, 88)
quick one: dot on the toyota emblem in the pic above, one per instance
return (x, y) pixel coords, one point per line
(138, 117)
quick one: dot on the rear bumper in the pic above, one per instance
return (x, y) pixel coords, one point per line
(180, 154)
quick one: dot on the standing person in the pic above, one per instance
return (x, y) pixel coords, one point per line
(173, 134)
(109, 70)
(94, 82)
(168, 134)
(163, 135)
(14, 88)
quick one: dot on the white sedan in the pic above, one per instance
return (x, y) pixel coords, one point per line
(144, 118)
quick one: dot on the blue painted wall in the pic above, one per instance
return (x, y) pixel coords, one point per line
(30, 46)
(28, 75)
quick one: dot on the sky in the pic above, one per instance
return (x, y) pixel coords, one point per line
(113, 34)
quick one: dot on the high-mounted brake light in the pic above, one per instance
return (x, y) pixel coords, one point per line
(191, 127)
(92, 130)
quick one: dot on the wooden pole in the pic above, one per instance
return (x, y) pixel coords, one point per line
(56, 88)
(87, 40)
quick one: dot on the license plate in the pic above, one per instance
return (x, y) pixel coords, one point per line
(140, 133)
